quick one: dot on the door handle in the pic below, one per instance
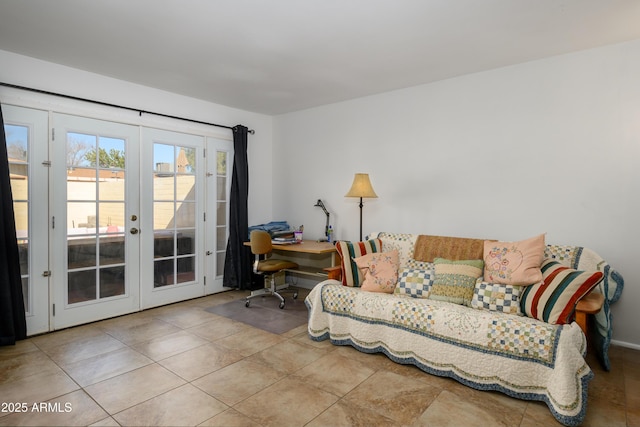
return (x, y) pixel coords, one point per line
(134, 231)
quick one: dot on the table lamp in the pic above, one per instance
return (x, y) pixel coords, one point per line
(361, 187)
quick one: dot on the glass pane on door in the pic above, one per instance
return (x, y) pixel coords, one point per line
(95, 217)
(17, 138)
(221, 210)
(174, 214)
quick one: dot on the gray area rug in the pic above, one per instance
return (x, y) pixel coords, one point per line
(263, 313)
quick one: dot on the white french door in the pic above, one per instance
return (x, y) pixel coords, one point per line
(26, 132)
(95, 219)
(114, 218)
(219, 167)
(172, 217)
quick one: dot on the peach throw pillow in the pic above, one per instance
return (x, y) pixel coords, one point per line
(380, 271)
(514, 263)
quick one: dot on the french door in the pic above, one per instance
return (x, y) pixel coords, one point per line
(26, 131)
(95, 219)
(219, 167)
(172, 217)
(114, 218)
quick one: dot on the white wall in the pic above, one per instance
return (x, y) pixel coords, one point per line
(29, 72)
(548, 146)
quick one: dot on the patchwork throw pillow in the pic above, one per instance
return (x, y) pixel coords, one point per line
(351, 276)
(514, 263)
(455, 280)
(497, 297)
(415, 282)
(380, 271)
(554, 300)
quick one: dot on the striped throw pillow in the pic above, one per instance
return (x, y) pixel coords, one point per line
(554, 299)
(351, 275)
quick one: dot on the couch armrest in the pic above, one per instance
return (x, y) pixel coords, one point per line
(334, 272)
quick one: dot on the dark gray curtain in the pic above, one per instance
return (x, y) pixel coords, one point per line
(237, 265)
(13, 324)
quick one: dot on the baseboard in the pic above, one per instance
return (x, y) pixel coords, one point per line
(626, 344)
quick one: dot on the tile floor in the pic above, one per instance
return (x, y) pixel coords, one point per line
(181, 365)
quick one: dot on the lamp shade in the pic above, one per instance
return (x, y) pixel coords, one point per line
(361, 187)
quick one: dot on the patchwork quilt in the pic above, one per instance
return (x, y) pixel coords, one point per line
(577, 257)
(486, 350)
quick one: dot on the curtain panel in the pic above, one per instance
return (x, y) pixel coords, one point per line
(237, 266)
(13, 324)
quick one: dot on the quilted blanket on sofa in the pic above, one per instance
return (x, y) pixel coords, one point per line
(580, 258)
(519, 356)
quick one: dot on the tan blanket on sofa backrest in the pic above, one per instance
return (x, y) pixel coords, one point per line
(453, 248)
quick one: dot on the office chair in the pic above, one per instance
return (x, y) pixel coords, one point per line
(261, 249)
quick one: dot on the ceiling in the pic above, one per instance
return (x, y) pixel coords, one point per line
(279, 56)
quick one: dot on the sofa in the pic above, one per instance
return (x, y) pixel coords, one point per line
(464, 309)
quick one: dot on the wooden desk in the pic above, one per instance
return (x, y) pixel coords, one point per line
(307, 246)
(311, 256)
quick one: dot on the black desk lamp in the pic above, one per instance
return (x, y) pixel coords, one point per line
(326, 228)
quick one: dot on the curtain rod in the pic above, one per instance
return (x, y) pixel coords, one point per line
(76, 98)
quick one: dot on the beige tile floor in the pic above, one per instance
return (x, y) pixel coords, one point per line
(181, 365)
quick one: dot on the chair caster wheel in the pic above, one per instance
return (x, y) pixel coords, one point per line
(295, 295)
(248, 303)
(281, 305)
